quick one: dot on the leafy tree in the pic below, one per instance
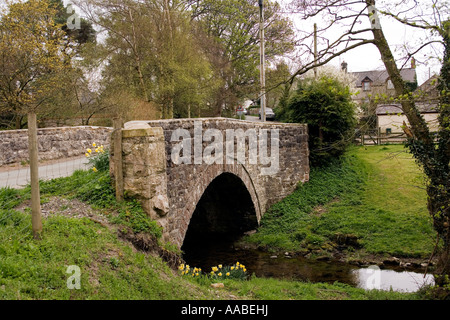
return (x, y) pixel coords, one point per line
(150, 50)
(33, 57)
(234, 26)
(81, 31)
(275, 78)
(325, 104)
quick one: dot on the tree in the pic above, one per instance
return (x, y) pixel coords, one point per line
(274, 77)
(150, 50)
(234, 26)
(431, 151)
(33, 57)
(325, 104)
(76, 28)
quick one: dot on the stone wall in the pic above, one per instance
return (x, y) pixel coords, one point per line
(54, 143)
(170, 192)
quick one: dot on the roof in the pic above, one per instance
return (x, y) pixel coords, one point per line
(429, 87)
(386, 109)
(379, 77)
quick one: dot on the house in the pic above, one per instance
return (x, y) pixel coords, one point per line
(390, 117)
(428, 90)
(377, 83)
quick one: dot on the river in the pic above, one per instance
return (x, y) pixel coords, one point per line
(263, 264)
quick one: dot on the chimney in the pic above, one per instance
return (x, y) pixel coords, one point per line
(344, 66)
(413, 63)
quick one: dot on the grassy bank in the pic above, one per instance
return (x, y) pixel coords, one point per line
(85, 227)
(371, 202)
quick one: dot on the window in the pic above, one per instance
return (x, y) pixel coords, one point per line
(388, 130)
(366, 85)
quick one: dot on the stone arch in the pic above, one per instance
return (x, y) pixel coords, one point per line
(206, 178)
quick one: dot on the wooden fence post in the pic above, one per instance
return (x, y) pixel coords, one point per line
(118, 163)
(36, 219)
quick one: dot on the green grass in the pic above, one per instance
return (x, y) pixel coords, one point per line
(374, 194)
(336, 200)
(110, 268)
(274, 289)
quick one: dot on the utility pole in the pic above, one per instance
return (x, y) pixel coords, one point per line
(262, 62)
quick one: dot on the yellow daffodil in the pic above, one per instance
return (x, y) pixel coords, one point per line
(220, 266)
(94, 144)
(220, 274)
(228, 274)
(89, 150)
(94, 169)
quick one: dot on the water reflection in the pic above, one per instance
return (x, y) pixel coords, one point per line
(405, 281)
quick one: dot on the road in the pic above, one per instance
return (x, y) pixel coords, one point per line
(256, 119)
(19, 177)
(252, 118)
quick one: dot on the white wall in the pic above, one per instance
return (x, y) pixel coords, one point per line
(395, 122)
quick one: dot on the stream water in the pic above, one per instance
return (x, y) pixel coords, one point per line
(212, 253)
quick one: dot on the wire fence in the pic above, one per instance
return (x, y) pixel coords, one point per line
(18, 176)
(58, 179)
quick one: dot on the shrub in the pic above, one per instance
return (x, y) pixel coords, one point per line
(326, 106)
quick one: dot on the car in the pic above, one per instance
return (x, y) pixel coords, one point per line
(270, 115)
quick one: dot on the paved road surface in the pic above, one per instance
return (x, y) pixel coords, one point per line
(20, 177)
(252, 118)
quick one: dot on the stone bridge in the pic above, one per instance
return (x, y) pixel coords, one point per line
(211, 176)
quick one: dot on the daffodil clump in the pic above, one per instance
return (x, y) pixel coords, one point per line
(220, 272)
(186, 270)
(98, 157)
(236, 271)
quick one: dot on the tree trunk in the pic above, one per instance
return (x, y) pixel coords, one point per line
(433, 157)
(137, 58)
(36, 220)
